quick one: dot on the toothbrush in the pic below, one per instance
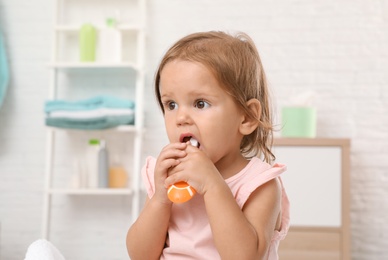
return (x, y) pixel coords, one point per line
(181, 192)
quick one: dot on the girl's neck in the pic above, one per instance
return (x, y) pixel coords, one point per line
(231, 165)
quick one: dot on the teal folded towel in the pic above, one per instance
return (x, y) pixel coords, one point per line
(103, 122)
(95, 113)
(88, 104)
(4, 72)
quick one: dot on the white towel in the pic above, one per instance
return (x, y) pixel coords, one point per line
(97, 113)
(42, 249)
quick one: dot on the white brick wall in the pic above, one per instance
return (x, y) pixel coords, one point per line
(337, 48)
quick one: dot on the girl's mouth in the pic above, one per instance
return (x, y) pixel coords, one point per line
(192, 140)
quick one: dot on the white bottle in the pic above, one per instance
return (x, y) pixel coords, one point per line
(79, 177)
(110, 42)
(92, 163)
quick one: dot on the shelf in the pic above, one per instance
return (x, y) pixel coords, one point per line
(311, 141)
(91, 191)
(76, 28)
(91, 65)
(125, 128)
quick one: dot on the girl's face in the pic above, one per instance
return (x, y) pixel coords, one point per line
(196, 105)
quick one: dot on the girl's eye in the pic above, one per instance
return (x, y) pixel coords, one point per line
(170, 105)
(201, 104)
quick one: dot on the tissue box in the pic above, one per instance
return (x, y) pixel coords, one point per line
(299, 122)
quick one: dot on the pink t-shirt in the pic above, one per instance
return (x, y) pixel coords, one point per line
(189, 233)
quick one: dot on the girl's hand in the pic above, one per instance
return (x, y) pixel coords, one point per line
(169, 157)
(196, 169)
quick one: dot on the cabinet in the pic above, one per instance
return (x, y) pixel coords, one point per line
(79, 80)
(317, 184)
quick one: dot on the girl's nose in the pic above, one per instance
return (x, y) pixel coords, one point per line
(183, 116)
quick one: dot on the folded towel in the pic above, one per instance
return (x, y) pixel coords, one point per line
(89, 114)
(97, 123)
(88, 104)
(42, 249)
(4, 73)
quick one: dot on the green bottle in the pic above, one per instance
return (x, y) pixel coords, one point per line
(87, 43)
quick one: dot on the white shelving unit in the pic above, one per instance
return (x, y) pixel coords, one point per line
(66, 26)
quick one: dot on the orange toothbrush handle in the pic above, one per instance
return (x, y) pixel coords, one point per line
(180, 192)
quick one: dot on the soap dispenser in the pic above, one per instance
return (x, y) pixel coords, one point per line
(110, 42)
(92, 163)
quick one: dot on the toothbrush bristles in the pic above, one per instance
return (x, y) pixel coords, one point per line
(194, 142)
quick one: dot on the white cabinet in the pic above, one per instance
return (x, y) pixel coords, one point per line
(317, 184)
(70, 77)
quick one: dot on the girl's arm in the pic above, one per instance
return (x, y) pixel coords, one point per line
(243, 234)
(147, 236)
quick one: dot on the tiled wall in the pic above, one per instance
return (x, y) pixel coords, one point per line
(337, 49)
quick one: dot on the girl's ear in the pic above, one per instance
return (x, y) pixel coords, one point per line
(249, 124)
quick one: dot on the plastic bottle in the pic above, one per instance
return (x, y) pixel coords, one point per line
(110, 42)
(118, 177)
(79, 179)
(87, 43)
(103, 165)
(92, 163)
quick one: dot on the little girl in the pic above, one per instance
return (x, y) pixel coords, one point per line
(211, 87)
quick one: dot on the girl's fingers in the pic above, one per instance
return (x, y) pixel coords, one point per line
(171, 179)
(173, 151)
(179, 146)
(169, 163)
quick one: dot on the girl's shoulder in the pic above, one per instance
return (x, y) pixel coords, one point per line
(254, 175)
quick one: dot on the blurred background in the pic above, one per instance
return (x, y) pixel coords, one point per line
(335, 49)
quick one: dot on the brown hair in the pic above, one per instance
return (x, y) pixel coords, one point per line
(235, 62)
